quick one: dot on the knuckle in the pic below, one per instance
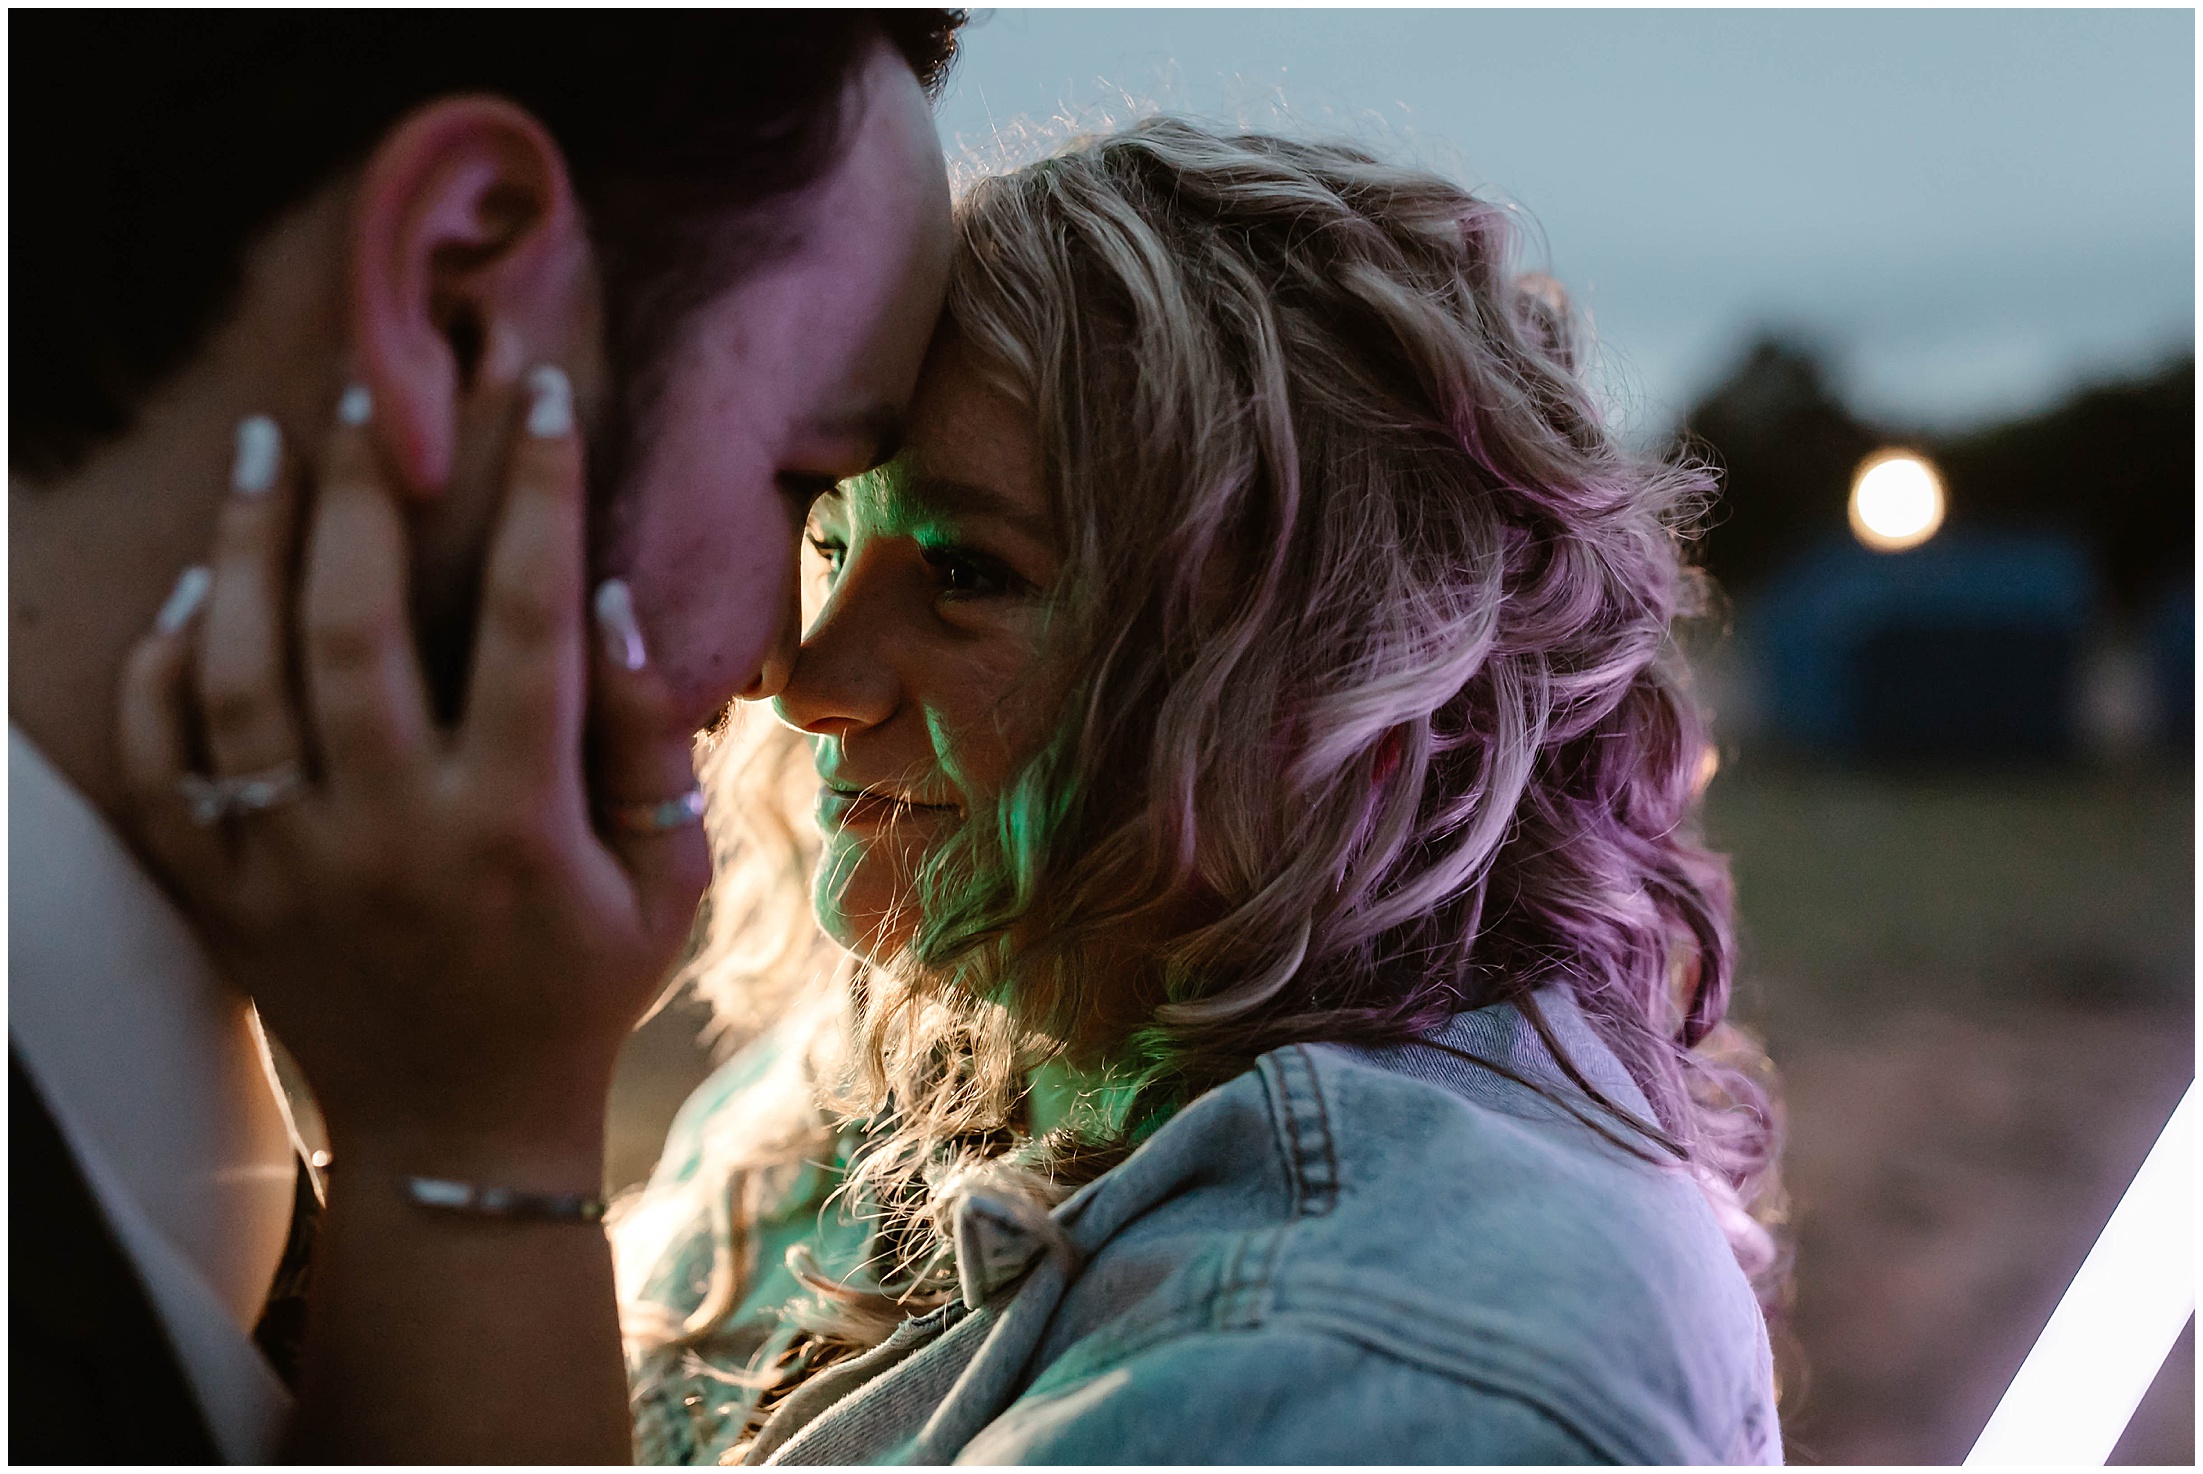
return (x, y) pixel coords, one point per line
(367, 734)
(524, 613)
(232, 701)
(346, 642)
(518, 848)
(238, 536)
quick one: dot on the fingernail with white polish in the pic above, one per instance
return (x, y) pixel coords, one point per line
(184, 600)
(259, 451)
(357, 406)
(623, 638)
(551, 405)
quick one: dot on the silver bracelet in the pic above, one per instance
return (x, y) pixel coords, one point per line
(503, 1202)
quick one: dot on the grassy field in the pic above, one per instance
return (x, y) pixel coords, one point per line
(1980, 991)
(1860, 892)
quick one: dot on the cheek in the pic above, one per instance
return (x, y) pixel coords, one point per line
(837, 892)
(988, 712)
(709, 546)
(864, 891)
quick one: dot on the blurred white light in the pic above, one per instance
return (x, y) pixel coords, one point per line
(1896, 501)
(2105, 1342)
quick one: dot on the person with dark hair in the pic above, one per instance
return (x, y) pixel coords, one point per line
(709, 246)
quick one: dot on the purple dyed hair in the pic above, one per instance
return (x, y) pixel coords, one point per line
(1373, 711)
(1364, 702)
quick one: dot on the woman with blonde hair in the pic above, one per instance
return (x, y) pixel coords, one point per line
(1267, 999)
(1257, 785)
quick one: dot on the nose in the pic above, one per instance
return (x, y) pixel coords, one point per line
(841, 677)
(779, 661)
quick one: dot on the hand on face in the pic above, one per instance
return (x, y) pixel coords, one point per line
(428, 918)
(432, 926)
(922, 601)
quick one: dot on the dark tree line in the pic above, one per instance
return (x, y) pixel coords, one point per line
(2114, 465)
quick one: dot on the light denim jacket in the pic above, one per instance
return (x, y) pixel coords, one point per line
(1341, 1256)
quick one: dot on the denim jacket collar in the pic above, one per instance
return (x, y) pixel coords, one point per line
(940, 1380)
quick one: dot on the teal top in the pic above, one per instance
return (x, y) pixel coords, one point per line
(1341, 1256)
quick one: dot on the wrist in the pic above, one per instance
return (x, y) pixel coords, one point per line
(541, 1151)
(529, 1165)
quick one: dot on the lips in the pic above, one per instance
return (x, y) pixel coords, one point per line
(872, 809)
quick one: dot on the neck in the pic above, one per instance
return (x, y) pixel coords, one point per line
(89, 562)
(93, 554)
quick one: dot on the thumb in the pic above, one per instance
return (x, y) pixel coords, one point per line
(649, 808)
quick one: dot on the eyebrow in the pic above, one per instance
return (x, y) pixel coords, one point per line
(879, 426)
(939, 493)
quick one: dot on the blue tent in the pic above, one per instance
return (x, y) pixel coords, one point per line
(1967, 646)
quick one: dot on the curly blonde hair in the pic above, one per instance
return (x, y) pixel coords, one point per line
(1365, 703)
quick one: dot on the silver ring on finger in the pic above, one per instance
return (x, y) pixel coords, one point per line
(214, 799)
(677, 812)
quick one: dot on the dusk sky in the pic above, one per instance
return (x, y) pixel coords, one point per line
(1973, 209)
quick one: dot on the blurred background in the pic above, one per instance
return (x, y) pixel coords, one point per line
(1922, 285)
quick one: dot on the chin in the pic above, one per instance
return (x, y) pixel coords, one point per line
(862, 900)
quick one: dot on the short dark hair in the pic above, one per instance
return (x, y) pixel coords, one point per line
(150, 150)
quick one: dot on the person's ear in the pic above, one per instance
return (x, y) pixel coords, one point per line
(470, 262)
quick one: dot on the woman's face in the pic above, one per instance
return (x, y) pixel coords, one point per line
(922, 595)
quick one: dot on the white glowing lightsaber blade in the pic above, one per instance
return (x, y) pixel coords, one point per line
(2105, 1342)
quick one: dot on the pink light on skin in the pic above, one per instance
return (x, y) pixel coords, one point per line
(2105, 1342)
